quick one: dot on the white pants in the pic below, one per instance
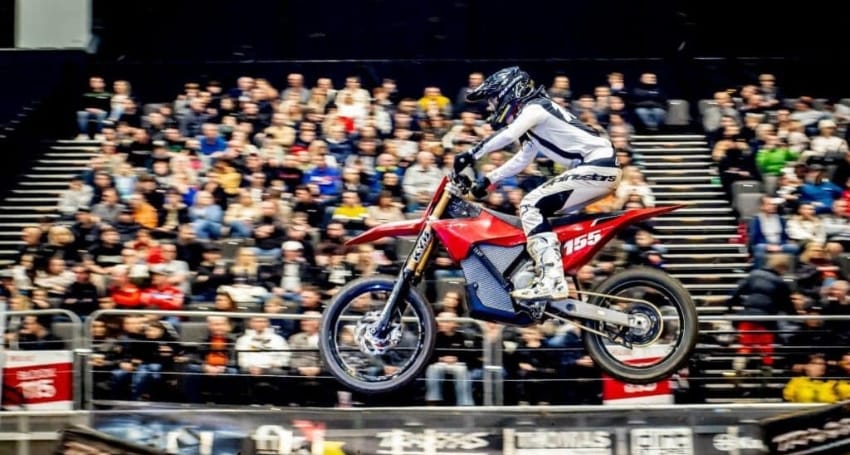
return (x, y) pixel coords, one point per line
(568, 192)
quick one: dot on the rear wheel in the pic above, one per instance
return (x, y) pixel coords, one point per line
(346, 322)
(666, 340)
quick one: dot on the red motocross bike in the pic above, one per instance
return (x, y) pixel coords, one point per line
(378, 332)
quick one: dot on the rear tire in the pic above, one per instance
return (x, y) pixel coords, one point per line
(329, 346)
(688, 320)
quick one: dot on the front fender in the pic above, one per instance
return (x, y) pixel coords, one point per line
(391, 229)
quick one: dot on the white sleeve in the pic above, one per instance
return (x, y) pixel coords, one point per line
(515, 165)
(527, 119)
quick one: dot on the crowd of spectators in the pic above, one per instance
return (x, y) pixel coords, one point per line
(230, 199)
(790, 158)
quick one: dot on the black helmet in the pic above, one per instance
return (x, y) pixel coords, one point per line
(506, 90)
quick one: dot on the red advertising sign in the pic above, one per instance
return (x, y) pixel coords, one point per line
(40, 379)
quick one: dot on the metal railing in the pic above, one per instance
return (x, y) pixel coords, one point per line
(491, 343)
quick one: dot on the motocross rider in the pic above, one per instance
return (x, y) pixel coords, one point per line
(524, 112)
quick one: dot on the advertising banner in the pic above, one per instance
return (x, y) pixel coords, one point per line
(824, 429)
(40, 380)
(615, 392)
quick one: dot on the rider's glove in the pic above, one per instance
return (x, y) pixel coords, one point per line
(479, 189)
(463, 160)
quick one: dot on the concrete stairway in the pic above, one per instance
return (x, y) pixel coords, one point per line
(699, 238)
(37, 193)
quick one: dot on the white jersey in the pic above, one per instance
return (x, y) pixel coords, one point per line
(545, 127)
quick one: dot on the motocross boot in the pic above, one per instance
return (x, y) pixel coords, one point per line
(550, 284)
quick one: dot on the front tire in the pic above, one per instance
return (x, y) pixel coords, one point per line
(666, 292)
(346, 362)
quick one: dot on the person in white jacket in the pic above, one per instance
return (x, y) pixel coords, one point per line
(260, 350)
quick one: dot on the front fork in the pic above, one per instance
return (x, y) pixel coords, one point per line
(411, 273)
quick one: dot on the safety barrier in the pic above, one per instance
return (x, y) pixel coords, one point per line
(492, 383)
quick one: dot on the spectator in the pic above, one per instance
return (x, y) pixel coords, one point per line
(35, 335)
(763, 293)
(649, 102)
(807, 115)
(77, 195)
(268, 233)
(213, 371)
(109, 208)
(737, 165)
(434, 102)
(774, 156)
(206, 216)
(463, 105)
(81, 296)
(351, 213)
(306, 363)
(94, 107)
(633, 185)
(770, 93)
(768, 233)
(262, 352)
(124, 293)
(819, 191)
(537, 367)
(723, 106)
(806, 226)
(421, 180)
(560, 88)
(449, 358)
(813, 387)
(56, 279)
(645, 250)
(161, 295)
(826, 147)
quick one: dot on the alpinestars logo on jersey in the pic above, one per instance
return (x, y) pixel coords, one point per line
(591, 177)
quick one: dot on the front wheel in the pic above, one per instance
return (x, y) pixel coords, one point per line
(345, 323)
(667, 340)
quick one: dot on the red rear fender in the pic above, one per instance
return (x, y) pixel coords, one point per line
(391, 229)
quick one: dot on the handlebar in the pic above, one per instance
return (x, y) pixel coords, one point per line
(462, 182)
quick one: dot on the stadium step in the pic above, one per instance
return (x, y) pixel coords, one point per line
(673, 188)
(708, 267)
(690, 195)
(680, 179)
(53, 199)
(62, 162)
(726, 257)
(712, 248)
(678, 220)
(652, 138)
(44, 192)
(646, 152)
(70, 154)
(698, 229)
(690, 164)
(694, 238)
(51, 176)
(671, 158)
(652, 174)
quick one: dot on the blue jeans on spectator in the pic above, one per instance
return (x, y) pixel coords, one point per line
(436, 373)
(273, 253)
(651, 117)
(146, 374)
(83, 118)
(138, 380)
(441, 274)
(206, 230)
(760, 252)
(240, 230)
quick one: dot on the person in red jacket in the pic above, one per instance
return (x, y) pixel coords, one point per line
(161, 295)
(124, 293)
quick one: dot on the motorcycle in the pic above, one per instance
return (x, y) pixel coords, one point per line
(378, 332)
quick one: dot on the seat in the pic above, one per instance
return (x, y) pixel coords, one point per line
(748, 205)
(770, 183)
(744, 186)
(66, 331)
(702, 105)
(678, 113)
(193, 332)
